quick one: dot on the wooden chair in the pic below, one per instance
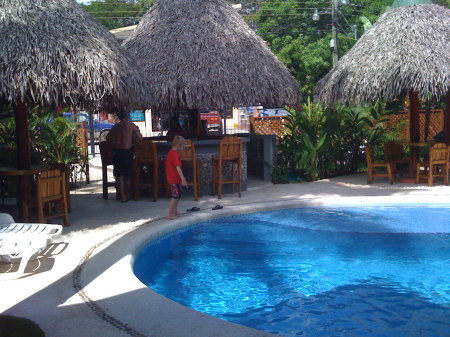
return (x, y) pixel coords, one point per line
(106, 154)
(189, 159)
(230, 151)
(372, 166)
(50, 193)
(393, 153)
(437, 165)
(146, 163)
(82, 143)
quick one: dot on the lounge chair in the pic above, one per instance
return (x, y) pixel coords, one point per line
(22, 242)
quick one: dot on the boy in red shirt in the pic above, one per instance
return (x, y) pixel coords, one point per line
(174, 175)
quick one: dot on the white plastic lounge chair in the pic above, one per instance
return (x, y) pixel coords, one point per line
(22, 241)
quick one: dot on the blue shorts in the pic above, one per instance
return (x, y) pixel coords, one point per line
(175, 191)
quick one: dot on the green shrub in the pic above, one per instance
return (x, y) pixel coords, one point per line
(322, 142)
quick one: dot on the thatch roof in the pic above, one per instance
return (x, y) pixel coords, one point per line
(408, 48)
(201, 53)
(53, 51)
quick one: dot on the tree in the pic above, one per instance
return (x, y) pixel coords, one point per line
(118, 13)
(303, 44)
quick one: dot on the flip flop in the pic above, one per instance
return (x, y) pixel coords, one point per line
(217, 207)
(193, 209)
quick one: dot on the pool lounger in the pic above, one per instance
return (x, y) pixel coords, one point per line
(23, 241)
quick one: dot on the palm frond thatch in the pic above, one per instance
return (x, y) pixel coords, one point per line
(201, 53)
(52, 51)
(408, 48)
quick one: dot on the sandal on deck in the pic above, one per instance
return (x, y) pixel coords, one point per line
(193, 209)
(217, 207)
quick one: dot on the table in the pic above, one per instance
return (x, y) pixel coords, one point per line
(24, 187)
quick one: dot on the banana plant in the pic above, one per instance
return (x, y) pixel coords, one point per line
(309, 131)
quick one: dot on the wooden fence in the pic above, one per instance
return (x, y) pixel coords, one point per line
(431, 123)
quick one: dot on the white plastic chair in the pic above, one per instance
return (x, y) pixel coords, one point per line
(23, 241)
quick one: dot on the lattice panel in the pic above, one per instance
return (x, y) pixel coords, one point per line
(435, 123)
(268, 125)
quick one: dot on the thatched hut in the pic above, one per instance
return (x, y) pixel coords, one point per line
(407, 49)
(52, 51)
(405, 52)
(201, 53)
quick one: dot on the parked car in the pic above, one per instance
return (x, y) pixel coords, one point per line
(101, 128)
(273, 112)
(212, 117)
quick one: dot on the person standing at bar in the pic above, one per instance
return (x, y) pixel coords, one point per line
(123, 136)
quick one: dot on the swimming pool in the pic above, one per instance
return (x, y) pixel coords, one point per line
(322, 271)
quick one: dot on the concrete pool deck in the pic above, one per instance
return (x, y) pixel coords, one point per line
(85, 286)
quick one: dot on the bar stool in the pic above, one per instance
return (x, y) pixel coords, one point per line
(230, 151)
(188, 157)
(106, 154)
(146, 163)
(50, 193)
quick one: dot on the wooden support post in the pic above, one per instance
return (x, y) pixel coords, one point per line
(22, 135)
(23, 153)
(194, 123)
(447, 118)
(414, 130)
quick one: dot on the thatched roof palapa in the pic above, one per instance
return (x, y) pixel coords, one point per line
(52, 51)
(407, 49)
(201, 53)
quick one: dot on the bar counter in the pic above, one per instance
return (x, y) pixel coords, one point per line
(205, 150)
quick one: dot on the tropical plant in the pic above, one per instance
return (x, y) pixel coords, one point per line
(359, 125)
(308, 131)
(320, 142)
(56, 140)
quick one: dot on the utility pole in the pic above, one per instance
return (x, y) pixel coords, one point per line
(334, 32)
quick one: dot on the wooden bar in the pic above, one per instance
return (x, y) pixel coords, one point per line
(205, 151)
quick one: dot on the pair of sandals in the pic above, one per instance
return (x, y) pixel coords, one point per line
(195, 209)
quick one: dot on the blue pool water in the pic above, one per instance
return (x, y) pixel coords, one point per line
(322, 271)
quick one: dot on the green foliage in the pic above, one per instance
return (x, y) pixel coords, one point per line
(118, 13)
(320, 143)
(56, 141)
(359, 125)
(52, 141)
(280, 174)
(366, 22)
(302, 44)
(307, 133)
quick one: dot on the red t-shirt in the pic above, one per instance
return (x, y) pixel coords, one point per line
(173, 160)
